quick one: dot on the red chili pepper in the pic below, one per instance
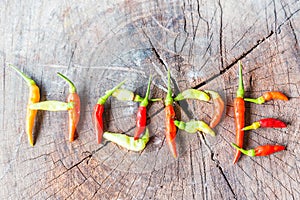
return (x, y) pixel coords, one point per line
(141, 116)
(98, 112)
(260, 150)
(267, 97)
(74, 113)
(239, 114)
(218, 108)
(170, 117)
(266, 123)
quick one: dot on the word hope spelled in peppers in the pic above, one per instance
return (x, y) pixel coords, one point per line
(141, 136)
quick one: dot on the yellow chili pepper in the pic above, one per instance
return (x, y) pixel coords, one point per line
(34, 96)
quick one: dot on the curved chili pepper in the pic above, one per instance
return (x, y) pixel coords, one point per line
(192, 94)
(193, 126)
(74, 113)
(98, 112)
(52, 106)
(267, 97)
(239, 113)
(260, 150)
(34, 96)
(170, 117)
(127, 95)
(218, 108)
(266, 123)
(141, 116)
(127, 141)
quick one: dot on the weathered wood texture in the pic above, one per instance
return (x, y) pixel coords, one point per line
(99, 44)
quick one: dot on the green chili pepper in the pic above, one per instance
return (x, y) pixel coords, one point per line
(52, 106)
(127, 95)
(193, 126)
(192, 94)
(128, 142)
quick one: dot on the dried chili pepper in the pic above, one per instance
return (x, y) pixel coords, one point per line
(141, 116)
(127, 95)
(52, 106)
(239, 113)
(193, 126)
(170, 117)
(218, 108)
(127, 141)
(267, 97)
(260, 150)
(265, 123)
(98, 112)
(74, 113)
(34, 96)
(192, 94)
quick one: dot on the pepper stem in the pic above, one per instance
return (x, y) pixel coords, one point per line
(250, 152)
(180, 124)
(253, 126)
(28, 80)
(146, 100)
(72, 88)
(108, 93)
(240, 91)
(259, 100)
(169, 99)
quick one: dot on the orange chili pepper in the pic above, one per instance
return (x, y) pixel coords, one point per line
(239, 114)
(34, 96)
(74, 113)
(267, 96)
(170, 117)
(218, 108)
(260, 150)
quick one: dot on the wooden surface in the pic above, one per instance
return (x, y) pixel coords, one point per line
(98, 45)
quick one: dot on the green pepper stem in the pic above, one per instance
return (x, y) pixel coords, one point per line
(146, 100)
(108, 93)
(253, 126)
(72, 88)
(240, 91)
(250, 152)
(169, 99)
(28, 80)
(259, 100)
(180, 124)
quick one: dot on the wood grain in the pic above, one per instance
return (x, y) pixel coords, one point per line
(97, 45)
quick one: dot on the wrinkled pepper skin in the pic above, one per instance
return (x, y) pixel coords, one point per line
(274, 95)
(170, 129)
(264, 150)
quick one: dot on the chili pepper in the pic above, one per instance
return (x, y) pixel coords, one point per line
(192, 94)
(74, 113)
(52, 106)
(260, 150)
(266, 123)
(141, 116)
(170, 117)
(239, 113)
(267, 97)
(218, 108)
(127, 141)
(34, 96)
(98, 112)
(193, 126)
(127, 95)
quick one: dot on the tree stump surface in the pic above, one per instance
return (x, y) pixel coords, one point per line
(99, 44)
